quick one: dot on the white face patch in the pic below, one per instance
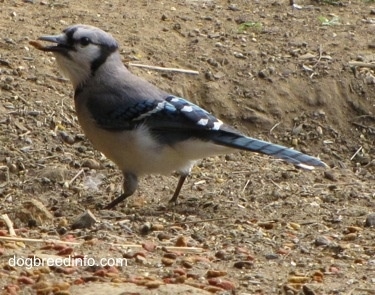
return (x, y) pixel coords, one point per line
(202, 122)
(187, 109)
(78, 66)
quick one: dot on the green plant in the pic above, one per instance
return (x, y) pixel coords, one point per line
(326, 22)
(250, 25)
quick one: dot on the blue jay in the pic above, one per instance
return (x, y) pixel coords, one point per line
(140, 127)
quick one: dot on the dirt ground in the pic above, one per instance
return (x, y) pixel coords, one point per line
(299, 75)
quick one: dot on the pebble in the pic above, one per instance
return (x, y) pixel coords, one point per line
(149, 246)
(349, 237)
(53, 173)
(91, 163)
(153, 284)
(181, 242)
(187, 263)
(215, 273)
(233, 7)
(224, 284)
(145, 228)
(212, 289)
(298, 279)
(370, 220)
(239, 55)
(167, 261)
(221, 255)
(170, 255)
(26, 280)
(263, 74)
(163, 236)
(271, 256)
(66, 137)
(157, 226)
(322, 241)
(61, 286)
(85, 220)
(329, 175)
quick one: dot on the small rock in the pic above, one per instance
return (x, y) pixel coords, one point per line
(167, 261)
(233, 7)
(26, 280)
(170, 255)
(157, 226)
(65, 251)
(91, 163)
(34, 213)
(181, 242)
(154, 284)
(66, 137)
(329, 175)
(85, 220)
(163, 236)
(239, 55)
(221, 255)
(149, 246)
(370, 220)
(322, 241)
(187, 263)
(307, 291)
(53, 173)
(215, 273)
(297, 130)
(146, 228)
(271, 256)
(224, 284)
(263, 74)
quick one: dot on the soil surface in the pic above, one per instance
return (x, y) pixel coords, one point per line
(301, 76)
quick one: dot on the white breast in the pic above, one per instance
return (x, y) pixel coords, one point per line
(138, 152)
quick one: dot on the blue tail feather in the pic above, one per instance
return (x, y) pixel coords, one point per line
(256, 145)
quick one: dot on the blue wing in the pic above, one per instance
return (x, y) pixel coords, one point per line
(175, 119)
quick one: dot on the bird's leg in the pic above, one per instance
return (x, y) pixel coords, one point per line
(130, 185)
(178, 188)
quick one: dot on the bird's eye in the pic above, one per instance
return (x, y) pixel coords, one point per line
(84, 41)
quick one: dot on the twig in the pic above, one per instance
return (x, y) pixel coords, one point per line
(274, 126)
(168, 248)
(370, 291)
(9, 224)
(17, 239)
(76, 176)
(245, 186)
(59, 79)
(365, 116)
(191, 72)
(360, 148)
(197, 221)
(361, 64)
(338, 184)
(320, 56)
(363, 126)
(278, 186)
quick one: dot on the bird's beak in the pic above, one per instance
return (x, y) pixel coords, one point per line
(61, 44)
